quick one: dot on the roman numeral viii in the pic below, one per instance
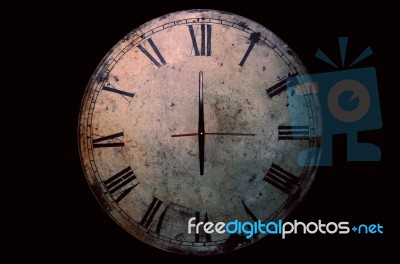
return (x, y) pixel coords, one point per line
(161, 61)
(99, 142)
(151, 213)
(205, 44)
(121, 184)
(281, 179)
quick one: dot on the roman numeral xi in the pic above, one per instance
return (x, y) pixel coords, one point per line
(161, 61)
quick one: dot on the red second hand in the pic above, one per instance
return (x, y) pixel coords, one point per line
(186, 135)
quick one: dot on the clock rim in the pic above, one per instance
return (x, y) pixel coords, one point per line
(96, 189)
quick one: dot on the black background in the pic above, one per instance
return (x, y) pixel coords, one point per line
(51, 50)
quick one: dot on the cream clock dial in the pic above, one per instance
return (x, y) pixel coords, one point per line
(187, 116)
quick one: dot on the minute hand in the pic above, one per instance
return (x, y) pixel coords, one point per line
(231, 134)
(213, 134)
(201, 129)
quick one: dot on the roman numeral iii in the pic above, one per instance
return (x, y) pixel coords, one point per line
(293, 132)
(205, 43)
(281, 179)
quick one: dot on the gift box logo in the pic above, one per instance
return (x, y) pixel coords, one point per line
(349, 104)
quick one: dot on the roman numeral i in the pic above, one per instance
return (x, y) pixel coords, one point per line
(254, 38)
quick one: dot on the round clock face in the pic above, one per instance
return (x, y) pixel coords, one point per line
(190, 116)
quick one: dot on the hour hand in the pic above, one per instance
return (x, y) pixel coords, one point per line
(201, 129)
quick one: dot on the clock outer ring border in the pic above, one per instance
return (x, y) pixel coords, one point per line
(99, 77)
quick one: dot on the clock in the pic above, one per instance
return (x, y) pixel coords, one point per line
(190, 116)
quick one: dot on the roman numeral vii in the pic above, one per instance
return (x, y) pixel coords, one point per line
(150, 215)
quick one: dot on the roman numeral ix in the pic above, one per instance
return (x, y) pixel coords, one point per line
(98, 143)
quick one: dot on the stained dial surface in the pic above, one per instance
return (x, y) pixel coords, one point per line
(188, 116)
